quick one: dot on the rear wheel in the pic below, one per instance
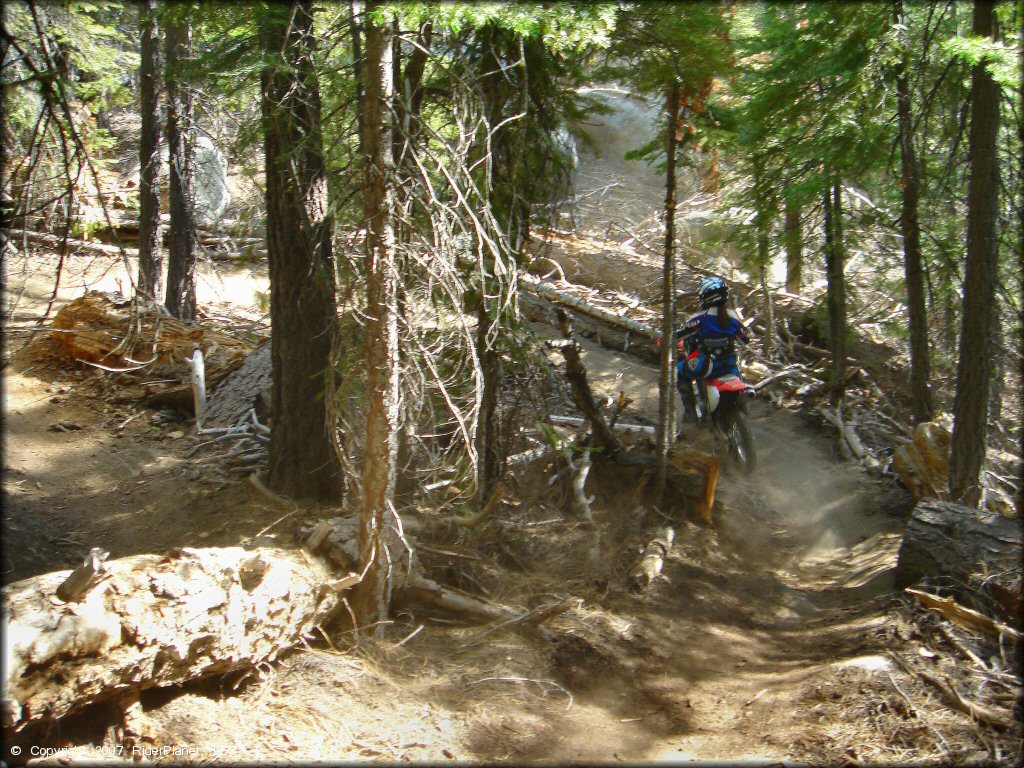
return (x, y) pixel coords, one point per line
(741, 444)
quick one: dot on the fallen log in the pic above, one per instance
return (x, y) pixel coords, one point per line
(649, 567)
(419, 592)
(56, 241)
(576, 421)
(156, 620)
(947, 539)
(535, 286)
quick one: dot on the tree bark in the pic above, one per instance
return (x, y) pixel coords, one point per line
(667, 368)
(834, 268)
(150, 282)
(489, 458)
(373, 595)
(995, 403)
(763, 216)
(920, 373)
(408, 98)
(181, 257)
(974, 368)
(303, 461)
(794, 238)
(155, 620)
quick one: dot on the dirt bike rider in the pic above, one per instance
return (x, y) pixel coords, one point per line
(707, 339)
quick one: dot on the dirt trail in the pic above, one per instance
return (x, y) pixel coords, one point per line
(784, 597)
(755, 634)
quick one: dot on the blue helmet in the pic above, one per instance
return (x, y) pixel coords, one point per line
(711, 292)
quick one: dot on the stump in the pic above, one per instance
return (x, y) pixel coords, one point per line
(947, 539)
(100, 331)
(923, 464)
(694, 475)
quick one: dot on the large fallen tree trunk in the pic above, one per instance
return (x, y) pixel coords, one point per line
(947, 539)
(535, 286)
(539, 301)
(151, 620)
(56, 241)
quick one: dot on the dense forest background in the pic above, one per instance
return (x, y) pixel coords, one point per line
(402, 169)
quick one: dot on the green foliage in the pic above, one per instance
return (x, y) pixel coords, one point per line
(1001, 59)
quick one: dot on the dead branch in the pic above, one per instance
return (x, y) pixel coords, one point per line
(576, 372)
(483, 514)
(965, 617)
(951, 697)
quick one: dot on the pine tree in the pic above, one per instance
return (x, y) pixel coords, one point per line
(150, 261)
(381, 324)
(303, 461)
(181, 256)
(970, 408)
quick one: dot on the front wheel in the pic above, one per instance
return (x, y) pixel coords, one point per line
(741, 445)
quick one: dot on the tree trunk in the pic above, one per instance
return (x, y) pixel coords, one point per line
(373, 595)
(834, 268)
(489, 458)
(948, 540)
(181, 257)
(501, 196)
(974, 368)
(918, 318)
(155, 620)
(355, 26)
(150, 263)
(794, 238)
(667, 369)
(408, 98)
(303, 461)
(995, 403)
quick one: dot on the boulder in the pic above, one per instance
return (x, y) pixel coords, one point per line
(210, 182)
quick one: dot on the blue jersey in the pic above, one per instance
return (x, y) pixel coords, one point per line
(703, 336)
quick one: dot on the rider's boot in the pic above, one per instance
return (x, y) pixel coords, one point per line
(689, 406)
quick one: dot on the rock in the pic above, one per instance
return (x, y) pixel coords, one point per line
(210, 181)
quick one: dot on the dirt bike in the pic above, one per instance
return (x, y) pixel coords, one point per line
(721, 405)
